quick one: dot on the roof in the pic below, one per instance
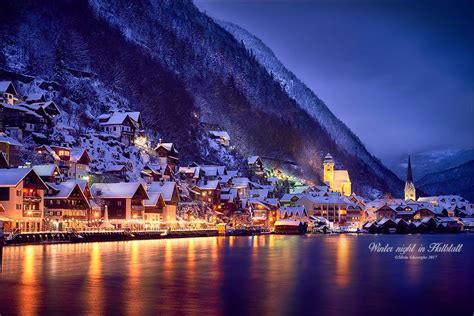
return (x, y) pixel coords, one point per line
(252, 160)
(46, 170)
(7, 139)
(48, 149)
(166, 188)
(118, 117)
(292, 211)
(153, 198)
(220, 134)
(341, 176)
(240, 182)
(12, 177)
(7, 85)
(167, 146)
(115, 168)
(36, 96)
(124, 190)
(209, 185)
(77, 153)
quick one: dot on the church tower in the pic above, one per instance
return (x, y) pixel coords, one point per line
(410, 191)
(328, 164)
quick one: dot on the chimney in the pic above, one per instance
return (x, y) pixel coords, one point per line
(160, 140)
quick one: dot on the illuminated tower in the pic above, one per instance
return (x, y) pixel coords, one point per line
(410, 191)
(328, 164)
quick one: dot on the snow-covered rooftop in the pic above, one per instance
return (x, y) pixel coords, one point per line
(116, 190)
(166, 188)
(46, 170)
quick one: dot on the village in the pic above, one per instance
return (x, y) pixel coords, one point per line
(60, 192)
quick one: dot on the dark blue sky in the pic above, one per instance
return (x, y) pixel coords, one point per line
(400, 74)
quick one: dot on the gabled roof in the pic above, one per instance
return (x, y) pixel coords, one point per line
(64, 190)
(209, 185)
(292, 211)
(119, 117)
(46, 170)
(154, 199)
(12, 177)
(35, 97)
(116, 168)
(124, 190)
(167, 146)
(8, 140)
(252, 160)
(240, 182)
(79, 153)
(166, 188)
(7, 86)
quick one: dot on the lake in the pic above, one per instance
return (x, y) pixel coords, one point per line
(259, 275)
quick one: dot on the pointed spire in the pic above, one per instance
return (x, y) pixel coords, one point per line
(409, 173)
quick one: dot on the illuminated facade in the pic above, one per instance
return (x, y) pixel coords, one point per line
(410, 191)
(337, 180)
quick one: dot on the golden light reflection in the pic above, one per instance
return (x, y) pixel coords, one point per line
(29, 291)
(94, 299)
(133, 299)
(342, 261)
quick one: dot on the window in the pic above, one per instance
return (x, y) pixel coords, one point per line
(119, 203)
(115, 128)
(18, 192)
(18, 206)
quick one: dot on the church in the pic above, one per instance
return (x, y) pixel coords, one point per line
(337, 180)
(410, 191)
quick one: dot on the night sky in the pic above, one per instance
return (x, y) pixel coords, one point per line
(400, 74)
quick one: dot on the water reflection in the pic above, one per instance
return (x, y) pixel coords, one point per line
(237, 275)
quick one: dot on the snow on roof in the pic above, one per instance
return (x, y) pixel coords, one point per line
(35, 96)
(299, 189)
(4, 85)
(258, 193)
(288, 196)
(15, 107)
(153, 200)
(252, 159)
(115, 168)
(49, 150)
(232, 173)
(118, 117)
(384, 220)
(77, 153)
(240, 182)
(330, 199)
(124, 190)
(12, 177)
(166, 188)
(209, 185)
(167, 146)
(221, 134)
(292, 211)
(64, 190)
(46, 170)
(8, 140)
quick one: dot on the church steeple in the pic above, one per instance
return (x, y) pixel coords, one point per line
(410, 191)
(409, 174)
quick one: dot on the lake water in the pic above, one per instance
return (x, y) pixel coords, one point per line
(261, 275)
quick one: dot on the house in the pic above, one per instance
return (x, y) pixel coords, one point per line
(255, 164)
(22, 197)
(21, 122)
(36, 97)
(79, 164)
(189, 174)
(123, 201)
(48, 173)
(8, 93)
(170, 194)
(59, 155)
(47, 110)
(10, 149)
(156, 172)
(220, 137)
(207, 191)
(330, 206)
(385, 211)
(154, 210)
(242, 184)
(292, 212)
(123, 125)
(211, 172)
(119, 171)
(337, 180)
(66, 206)
(167, 153)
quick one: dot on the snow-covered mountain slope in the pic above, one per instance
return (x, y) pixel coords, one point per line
(431, 162)
(305, 97)
(457, 180)
(184, 72)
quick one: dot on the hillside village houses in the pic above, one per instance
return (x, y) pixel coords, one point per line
(65, 190)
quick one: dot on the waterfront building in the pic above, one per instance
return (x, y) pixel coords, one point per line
(22, 197)
(155, 210)
(169, 192)
(66, 206)
(337, 180)
(124, 202)
(207, 191)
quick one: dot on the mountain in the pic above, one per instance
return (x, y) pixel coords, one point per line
(457, 180)
(185, 73)
(432, 162)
